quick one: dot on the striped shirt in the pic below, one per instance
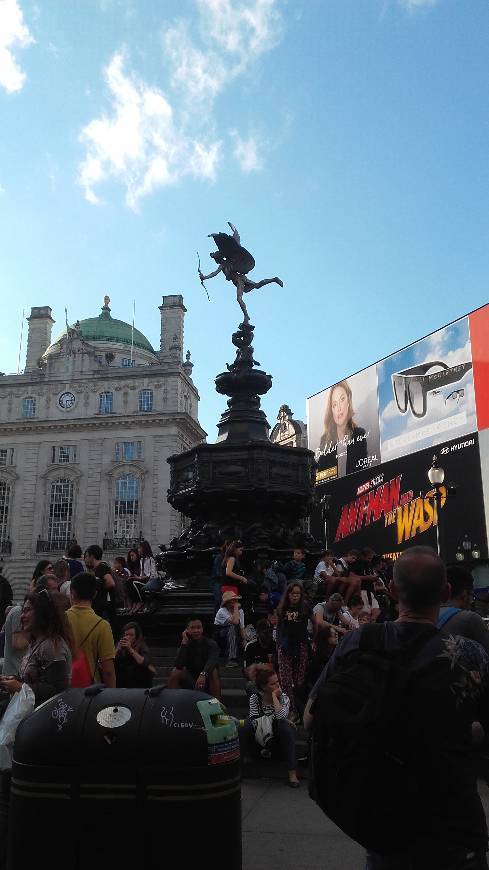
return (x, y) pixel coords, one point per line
(258, 707)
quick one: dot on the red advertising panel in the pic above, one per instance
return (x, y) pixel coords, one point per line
(479, 335)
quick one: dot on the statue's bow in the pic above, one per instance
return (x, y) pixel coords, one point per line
(201, 278)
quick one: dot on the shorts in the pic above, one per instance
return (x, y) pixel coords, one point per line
(369, 606)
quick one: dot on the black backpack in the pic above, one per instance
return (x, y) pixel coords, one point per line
(367, 741)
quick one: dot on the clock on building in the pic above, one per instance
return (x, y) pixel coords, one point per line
(66, 401)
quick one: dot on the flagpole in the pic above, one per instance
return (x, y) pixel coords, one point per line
(20, 343)
(132, 330)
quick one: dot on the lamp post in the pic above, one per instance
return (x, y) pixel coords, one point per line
(325, 505)
(436, 476)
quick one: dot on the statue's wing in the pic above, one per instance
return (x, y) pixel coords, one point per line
(238, 257)
(235, 233)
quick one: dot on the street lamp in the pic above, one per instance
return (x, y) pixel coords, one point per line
(436, 476)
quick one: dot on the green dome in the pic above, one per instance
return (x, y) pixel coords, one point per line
(106, 328)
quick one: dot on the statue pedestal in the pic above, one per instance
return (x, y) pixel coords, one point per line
(243, 487)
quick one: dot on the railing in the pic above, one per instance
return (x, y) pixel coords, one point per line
(122, 543)
(55, 545)
(6, 547)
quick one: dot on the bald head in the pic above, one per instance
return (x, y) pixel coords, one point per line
(420, 578)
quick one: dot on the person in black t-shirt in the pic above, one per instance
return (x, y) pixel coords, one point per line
(262, 650)
(196, 665)
(103, 604)
(293, 642)
(133, 666)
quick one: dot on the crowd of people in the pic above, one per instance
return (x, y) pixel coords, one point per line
(64, 633)
(300, 639)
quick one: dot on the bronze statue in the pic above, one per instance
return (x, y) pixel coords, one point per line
(235, 262)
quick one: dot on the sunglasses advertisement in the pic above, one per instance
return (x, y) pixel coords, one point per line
(426, 392)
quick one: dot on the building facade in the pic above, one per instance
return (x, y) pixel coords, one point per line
(288, 432)
(85, 433)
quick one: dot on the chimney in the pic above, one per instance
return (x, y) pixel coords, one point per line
(172, 321)
(39, 335)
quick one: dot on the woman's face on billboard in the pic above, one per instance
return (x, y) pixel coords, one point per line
(339, 406)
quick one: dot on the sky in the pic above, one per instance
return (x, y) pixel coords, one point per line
(346, 139)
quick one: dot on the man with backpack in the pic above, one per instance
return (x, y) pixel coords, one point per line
(94, 643)
(391, 718)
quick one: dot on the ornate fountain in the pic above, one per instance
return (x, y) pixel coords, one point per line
(243, 486)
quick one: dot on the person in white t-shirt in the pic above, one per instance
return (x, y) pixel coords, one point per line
(325, 575)
(355, 608)
(229, 627)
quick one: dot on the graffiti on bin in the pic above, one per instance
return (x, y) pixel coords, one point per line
(168, 719)
(61, 712)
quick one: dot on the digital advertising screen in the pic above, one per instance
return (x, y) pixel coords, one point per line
(374, 435)
(343, 426)
(394, 506)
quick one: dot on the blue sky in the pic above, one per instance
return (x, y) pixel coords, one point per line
(347, 140)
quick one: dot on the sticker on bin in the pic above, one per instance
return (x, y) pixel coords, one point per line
(223, 753)
(113, 717)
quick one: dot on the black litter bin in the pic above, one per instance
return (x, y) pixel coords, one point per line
(102, 777)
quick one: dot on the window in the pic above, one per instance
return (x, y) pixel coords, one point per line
(6, 455)
(146, 400)
(4, 509)
(106, 403)
(126, 506)
(127, 362)
(60, 521)
(29, 407)
(126, 450)
(63, 454)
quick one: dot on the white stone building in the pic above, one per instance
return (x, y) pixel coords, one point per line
(288, 432)
(85, 433)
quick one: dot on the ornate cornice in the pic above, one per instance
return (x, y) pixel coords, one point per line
(106, 422)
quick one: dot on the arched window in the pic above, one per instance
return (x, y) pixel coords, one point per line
(60, 519)
(5, 491)
(106, 403)
(126, 506)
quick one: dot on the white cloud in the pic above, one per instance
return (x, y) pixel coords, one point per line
(14, 35)
(140, 142)
(148, 138)
(246, 152)
(411, 5)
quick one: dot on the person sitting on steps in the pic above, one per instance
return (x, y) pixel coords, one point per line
(267, 731)
(229, 627)
(197, 662)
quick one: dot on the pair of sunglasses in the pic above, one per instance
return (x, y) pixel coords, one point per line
(411, 386)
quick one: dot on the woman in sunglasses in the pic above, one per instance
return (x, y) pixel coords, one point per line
(46, 666)
(343, 443)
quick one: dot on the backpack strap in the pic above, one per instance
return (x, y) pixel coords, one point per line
(89, 633)
(444, 617)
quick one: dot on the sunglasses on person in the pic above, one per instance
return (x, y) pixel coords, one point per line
(411, 386)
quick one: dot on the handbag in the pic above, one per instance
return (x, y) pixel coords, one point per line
(20, 705)
(263, 727)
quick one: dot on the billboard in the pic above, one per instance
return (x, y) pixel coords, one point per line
(393, 507)
(343, 426)
(374, 435)
(434, 390)
(426, 392)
